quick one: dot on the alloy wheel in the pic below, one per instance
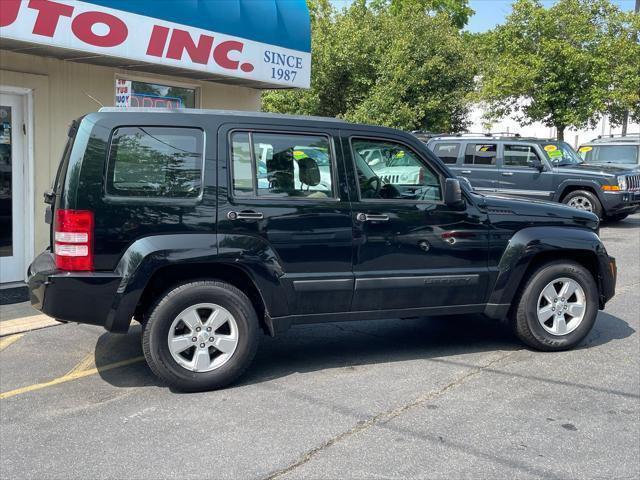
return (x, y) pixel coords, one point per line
(203, 337)
(561, 306)
(581, 203)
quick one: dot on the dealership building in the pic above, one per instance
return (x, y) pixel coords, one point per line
(61, 59)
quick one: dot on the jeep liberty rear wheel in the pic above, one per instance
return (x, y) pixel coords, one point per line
(557, 307)
(201, 336)
(584, 200)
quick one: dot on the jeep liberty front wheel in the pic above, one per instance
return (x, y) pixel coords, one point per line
(201, 336)
(557, 307)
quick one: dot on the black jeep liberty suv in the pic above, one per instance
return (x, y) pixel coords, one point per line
(208, 226)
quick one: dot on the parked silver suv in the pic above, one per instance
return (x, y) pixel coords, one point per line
(616, 150)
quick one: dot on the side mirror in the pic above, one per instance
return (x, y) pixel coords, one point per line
(537, 164)
(452, 192)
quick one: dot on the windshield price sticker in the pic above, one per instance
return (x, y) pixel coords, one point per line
(555, 153)
(550, 148)
(585, 149)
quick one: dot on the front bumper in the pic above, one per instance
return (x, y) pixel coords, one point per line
(615, 203)
(82, 297)
(608, 278)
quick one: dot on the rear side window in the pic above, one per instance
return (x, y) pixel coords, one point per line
(281, 165)
(481, 154)
(520, 156)
(447, 152)
(152, 162)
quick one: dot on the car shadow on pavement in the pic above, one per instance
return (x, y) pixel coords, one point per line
(311, 348)
(629, 222)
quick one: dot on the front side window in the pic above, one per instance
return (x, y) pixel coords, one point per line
(393, 172)
(156, 162)
(281, 165)
(481, 154)
(520, 156)
(447, 152)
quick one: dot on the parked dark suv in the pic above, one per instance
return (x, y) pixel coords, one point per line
(540, 169)
(160, 216)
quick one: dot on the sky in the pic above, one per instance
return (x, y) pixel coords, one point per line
(490, 13)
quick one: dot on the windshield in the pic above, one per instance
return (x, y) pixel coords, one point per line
(624, 154)
(561, 153)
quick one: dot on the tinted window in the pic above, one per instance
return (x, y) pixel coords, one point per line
(394, 172)
(480, 154)
(520, 156)
(447, 152)
(156, 162)
(611, 154)
(283, 165)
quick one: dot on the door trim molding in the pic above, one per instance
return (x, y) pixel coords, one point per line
(29, 171)
(420, 281)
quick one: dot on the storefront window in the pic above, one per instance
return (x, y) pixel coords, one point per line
(131, 93)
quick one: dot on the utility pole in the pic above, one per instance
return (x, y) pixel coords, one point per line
(625, 117)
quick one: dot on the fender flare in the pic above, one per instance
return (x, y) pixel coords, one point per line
(577, 182)
(529, 243)
(144, 257)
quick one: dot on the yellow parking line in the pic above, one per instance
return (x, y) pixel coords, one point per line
(72, 375)
(86, 363)
(6, 341)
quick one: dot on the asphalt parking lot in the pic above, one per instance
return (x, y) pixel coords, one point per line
(423, 398)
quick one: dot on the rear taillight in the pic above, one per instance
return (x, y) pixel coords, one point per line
(73, 240)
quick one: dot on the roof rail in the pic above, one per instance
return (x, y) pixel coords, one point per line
(484, 134)
(616, 135)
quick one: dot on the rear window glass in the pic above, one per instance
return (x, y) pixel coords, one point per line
(447, 152)
(627, 154)
(481, 154)
(156, 162)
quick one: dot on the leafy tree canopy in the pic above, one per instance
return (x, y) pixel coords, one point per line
(563, 65)
(400, 63)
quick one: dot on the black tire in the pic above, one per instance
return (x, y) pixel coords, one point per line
(524, 318)
(617, 218)
(580, 196)
(155, 335)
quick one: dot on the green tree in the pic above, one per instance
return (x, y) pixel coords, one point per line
(400, 64)
(552, 65)
(623, 50)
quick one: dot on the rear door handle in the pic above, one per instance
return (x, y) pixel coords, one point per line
(365, 217)
(466, 172)
(246, 215)
(507, 174)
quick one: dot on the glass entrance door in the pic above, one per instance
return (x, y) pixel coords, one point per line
(12, 195)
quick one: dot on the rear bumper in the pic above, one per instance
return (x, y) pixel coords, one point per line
(82, 297)
(614, 203)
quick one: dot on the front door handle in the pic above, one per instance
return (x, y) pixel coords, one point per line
(507, 174)
(466, 172)
(245, 215)
(365, 217)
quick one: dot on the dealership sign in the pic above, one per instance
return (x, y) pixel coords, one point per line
(98, 29)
